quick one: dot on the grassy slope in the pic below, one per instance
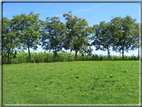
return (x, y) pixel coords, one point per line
(88, 82)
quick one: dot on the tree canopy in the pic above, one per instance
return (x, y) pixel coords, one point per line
(122, 29)
(29, 27)
(77, 33)
(28, 31)
(9, 39)
(54, 32)
(102, 38)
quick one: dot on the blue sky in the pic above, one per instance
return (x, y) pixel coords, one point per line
(93, 13)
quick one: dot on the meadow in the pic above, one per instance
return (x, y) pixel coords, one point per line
(75, 82)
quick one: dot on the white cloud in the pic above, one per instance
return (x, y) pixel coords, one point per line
(81, 10)
(84, 9)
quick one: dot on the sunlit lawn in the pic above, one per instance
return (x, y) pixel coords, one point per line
(80, 82)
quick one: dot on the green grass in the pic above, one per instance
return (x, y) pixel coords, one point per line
(80, 82)
(41, 57)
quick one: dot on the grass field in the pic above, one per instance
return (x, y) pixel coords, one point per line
(80, 82)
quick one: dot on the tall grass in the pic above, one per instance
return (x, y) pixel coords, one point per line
(61, 57)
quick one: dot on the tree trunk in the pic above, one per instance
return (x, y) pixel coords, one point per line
(108, 54)
(76, 55)
(123, 53)
(54, 56)
(11, 44)
(8, 56)
(83, 56)
(29, 54)
(70, 51)
(138, 53)
(9, 52)
(55, 53)
(123, 50)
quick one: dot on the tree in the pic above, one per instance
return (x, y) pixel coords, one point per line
(52, 39)
(0, 39)
(9, 39)
(137, 38)
(29, 27)
(102, 38)
(77, 33)
(121, 29)
(69, 35)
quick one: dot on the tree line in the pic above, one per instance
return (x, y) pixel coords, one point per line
(27, 31)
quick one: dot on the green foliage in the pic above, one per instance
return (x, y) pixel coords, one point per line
(102, 38)
(9, 39)
(29, 27)
(27, 31)
(122, 30)
(52, 37)
(42, 57)
(77, 33)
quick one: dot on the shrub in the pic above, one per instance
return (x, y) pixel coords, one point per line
(61, 57)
